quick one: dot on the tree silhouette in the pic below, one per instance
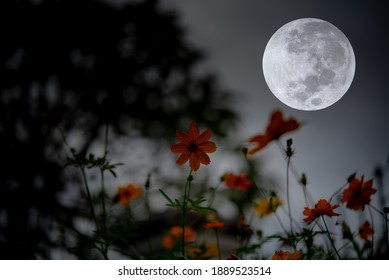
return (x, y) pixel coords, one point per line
(84, 64)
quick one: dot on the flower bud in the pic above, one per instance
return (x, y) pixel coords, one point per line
(351, 177)
(303, 180)
(289, 151)
(289, 142)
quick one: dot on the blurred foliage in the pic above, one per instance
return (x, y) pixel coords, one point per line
(83, 64)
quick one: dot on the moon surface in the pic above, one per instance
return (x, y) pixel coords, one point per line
(308, 64)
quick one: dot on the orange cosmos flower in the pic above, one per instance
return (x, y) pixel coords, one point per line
(266, 206)
(285, 255)
(202, 252)
(211, 251)
(194, 147)
(365, 231)
(214, 225)
(239, 182)
(358, 193)
(175, 234)
(322, 207)
(275, 129)
(127, 193)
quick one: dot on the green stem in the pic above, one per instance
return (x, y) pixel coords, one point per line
(338, 191)
(85, 180)
(387, 232)
(288, 197)
(251, 177)
(104, 216)
(218, 244)
(356, 248)
(104, 212)
(106, 140)
(213, 194)
(62, 133)
(184, 204)
(104, 252)
(281, 224)
(307, 196)
(329, 237)
(372, 236)
(89, 196)
(148, 210)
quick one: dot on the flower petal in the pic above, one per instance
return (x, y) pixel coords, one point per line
(289, 125)
(183, 137)
(261, 141)
(207, 147)
(194, 162)
(204, 136)
(276, 120)
(278, 126)
(179, 148)
(193, 132)
(183, 158)
(203, 157)
(368, 184)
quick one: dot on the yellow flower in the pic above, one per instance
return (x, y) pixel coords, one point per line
(211, 251)
(202, 252)
(267, 206)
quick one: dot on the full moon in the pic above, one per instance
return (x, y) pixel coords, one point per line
(308, 64)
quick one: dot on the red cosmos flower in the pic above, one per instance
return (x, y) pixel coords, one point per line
(365, 231)
(357, 195)
(275, 129)
(194, 147)
(322, 207)
(241, 181)
(214, 225)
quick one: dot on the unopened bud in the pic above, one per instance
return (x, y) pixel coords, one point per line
(148, 180)
(289, 142)
(346, 231)
(303, 180)
(289, 151)
(378, 172)
(351, 177)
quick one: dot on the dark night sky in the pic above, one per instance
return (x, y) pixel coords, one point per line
(349, 136)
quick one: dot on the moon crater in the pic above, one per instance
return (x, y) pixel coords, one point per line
(308, 64)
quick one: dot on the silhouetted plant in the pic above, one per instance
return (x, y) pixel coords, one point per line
(83, 65)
